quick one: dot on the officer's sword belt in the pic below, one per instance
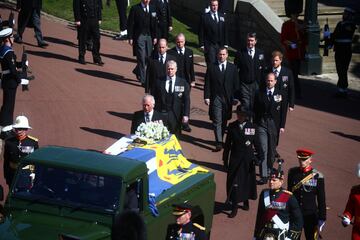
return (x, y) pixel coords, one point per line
(304, 180)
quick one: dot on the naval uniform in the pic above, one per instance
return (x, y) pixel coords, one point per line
(191, 231)
(342, 40)
(278, 216)
(9, 81)
(352, 211)
(308, 187)
(14, 150)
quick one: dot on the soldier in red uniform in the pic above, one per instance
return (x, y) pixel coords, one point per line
(352, 210)
(293, 39)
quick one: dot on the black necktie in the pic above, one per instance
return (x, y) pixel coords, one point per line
(250, 53)
(147, 117)
(146, 10)
(161, 59)
(181, 53)
(222, 68)
(276, 72)
(269, 95)
(170, 86)
(215, 18)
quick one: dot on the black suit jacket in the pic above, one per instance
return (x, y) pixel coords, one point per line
(250, 69)
(277, 108)
(163, 12)
(285, 83)
(211, 32)
(181, 97)
(137, 19)
(81, 9)
(156, 70)
(28, 5)
(216, 83)
(139, 117)
(185, 70)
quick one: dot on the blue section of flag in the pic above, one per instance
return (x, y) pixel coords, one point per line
(139, 154)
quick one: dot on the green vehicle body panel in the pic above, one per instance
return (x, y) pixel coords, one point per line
(38, 220)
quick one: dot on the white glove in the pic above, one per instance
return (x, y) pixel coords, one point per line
(346, 221)
(27, 63)
(293, 46)
(24, 81)
(321, 224)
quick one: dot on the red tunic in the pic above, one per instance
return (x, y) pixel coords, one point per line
(294, 33)
(352, 211)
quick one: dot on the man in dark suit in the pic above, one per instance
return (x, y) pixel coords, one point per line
(157, 65)
(164, 17)
(148, 114)
(239, 161)
(285, 79)
(87, 14)
(121, 6)
(212, 32)
(251, 64)
(29, 15)
(173, 99)
(221, 83)
(142, 33)
(270, 116)
(185, 60)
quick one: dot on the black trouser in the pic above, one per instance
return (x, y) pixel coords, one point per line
(89, 28)
(7, 109)
(247, 94)
(219, 110)
(310, 226)
(163, 30)
(295, 68)
(23, 20)
(121, 6)
(173, 124)
(342, 60)
(211, 53)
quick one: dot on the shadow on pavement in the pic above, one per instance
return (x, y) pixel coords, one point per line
(201, 124)
(349, 136)
(197, 141)
(60, 41)
(220, 208)
(119, 58)
(319, 95)
(127, 116)
(213, 166)
(52, 55)
(103, 132)
(109, 76)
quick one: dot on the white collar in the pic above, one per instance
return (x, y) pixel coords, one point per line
(278, 69)
(182, 49)
(220, 63)
(271, 90)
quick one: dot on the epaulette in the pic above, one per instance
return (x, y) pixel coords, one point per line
(318, 173)
(4, 50)
(288, 192)
(199, 226)
(33, 138)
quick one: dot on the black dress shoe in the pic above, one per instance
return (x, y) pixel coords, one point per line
(18, 39)
(233, 212)
(99, 62)
(186, 127)
(43, 44)
(262, 181)
(246, 205)
(82, 60)
(218, 147)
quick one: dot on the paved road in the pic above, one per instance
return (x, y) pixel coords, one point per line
(90, 107)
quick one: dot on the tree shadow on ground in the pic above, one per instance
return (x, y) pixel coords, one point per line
(213, 166)
(52, 55)
(127, 116)
(109, 76)
(104, 133)
(349, 136)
